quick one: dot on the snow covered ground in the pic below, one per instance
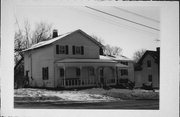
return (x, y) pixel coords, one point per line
(29, 94)
(87, 95)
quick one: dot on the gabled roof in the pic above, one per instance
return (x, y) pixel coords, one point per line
(48, 42)
(154, 54)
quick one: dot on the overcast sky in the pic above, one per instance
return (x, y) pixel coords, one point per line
(109, 26)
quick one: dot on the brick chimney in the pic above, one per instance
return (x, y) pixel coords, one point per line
(55, 33)
(158, 49)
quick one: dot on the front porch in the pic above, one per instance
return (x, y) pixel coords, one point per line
(77, 74)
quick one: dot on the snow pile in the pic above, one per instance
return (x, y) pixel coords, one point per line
(47, 95)
(125, 94)
(33, 95)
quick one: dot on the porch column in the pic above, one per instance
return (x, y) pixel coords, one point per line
(115, 75)
(64, 67)
(80, 75)
(95, 75)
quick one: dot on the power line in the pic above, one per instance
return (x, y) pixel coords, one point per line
(107, 20)
(137, 14)
(122, 18)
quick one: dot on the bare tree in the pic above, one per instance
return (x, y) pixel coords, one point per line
(109, 50)
(98, 39)
(42, 32)
(27, 29)
(138, 54)
(26, 37)
(113, 50)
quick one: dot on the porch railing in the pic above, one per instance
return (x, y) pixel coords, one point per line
(84, 82)
(78, 82)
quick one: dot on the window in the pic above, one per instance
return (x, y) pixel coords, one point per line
(45, 73)
(101, 72)
(150, 78)
(124, 72)
(60, 49)
(77, 72)
(124, 62)
(61, 72)
(27, 72)
(78, 50)
(148, 63)
(101, 51)
(91, 71)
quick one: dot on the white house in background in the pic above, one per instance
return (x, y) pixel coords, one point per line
(125, 67)
(147, 69)
(73, 60)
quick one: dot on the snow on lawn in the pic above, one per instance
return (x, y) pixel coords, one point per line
(29, 94)
(88, 95)
(125, 94)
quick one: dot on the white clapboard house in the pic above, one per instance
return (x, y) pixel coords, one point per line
(74, 60)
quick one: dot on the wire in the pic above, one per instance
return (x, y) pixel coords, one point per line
(137, 14)
(121, 18)
(119, 25)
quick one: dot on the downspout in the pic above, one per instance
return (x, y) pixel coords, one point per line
(54, 73)
(116, 75)
(31, 65)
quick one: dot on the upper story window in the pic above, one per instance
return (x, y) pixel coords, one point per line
(148, 63)
(124, 62)
(61, 49)
(78, 50)
(45, 73)
(124, 72)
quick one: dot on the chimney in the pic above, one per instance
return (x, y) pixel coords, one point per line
(55, 33)
(158, 49)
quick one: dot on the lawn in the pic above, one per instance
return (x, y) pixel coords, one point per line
(87, 95)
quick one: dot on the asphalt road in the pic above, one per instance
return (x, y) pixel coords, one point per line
(126, 104)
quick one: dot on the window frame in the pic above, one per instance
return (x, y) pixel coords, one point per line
(62, 49)
(150, 78)
(78, 50)
(61, 72)
(91, 71)
(124, 72)
(78, 72)
(149, 63)
(45, 73)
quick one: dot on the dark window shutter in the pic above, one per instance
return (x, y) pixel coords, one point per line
(101, 51)
(82, 50)
(67, 49)
(57, 49)
(73, 49)
(47, 73)
(43, 73)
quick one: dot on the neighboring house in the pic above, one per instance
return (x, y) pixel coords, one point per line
(125, 67)
(71, 60)
(147, 69)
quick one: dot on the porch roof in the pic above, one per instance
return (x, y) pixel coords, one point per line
(121, 65)
(85, 61)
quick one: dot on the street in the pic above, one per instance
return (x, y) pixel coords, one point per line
(126, 104)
